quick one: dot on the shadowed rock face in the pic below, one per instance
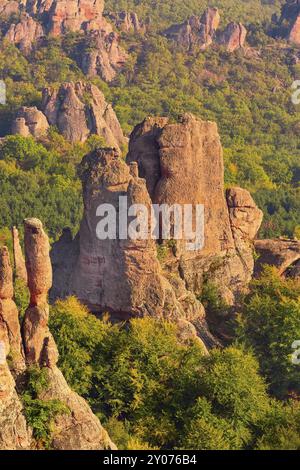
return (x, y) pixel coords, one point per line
(281, 253)
(289, 22)
(79, 110)
(127, 21)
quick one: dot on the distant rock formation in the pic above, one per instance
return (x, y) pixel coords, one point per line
(127, 21)
(79, 110)
(201, 32)
(284, 254)
(77, 429)
(233, 37)
(25, 34)
(102, 55)
(30, 121)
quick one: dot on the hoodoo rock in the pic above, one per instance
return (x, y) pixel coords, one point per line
(78, 428)
(25, 34)
(80, 110)
(284, 254)
(127, 21)
(10, 334)
(30, 121)
(19, 261)
(233, 37)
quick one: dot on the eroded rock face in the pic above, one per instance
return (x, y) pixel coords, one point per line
(19, 261)
(282, 253)
(9, 317)
(79, 110)
(105, 58)
(127, 22)
(30, 121)
(233, 37)
(183, 164)
(196, 31)
(8, 8)
(25, 34)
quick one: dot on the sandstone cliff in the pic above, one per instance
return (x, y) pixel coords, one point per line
(284, 254)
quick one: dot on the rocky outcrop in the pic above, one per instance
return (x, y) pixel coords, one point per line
(20, 271)
(105, 58)
(30, 121)
(8, 8)
(9, 317)
(284, 254)
(80, 110)
(288, 25)
(196, 31)
(183, 164)
(127, 22)
(233, 37)
(79, 428)
(25, 34)
(201, 32)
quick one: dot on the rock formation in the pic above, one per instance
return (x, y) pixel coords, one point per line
(127, 21)
(105, 58)
(79, 110)
(9, 317)
(19, 262)
(284, 254)
(201, 32)
(100, 52)
(183, 164)
(25, 34)
(233, 37)
(289, 22)
(30, 121)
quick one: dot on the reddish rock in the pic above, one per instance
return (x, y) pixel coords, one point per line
(25, 34)
(127, 22)
(233, 37)
(8, 8)
(294, 33)
(19, 261)
(75, 15)
(9, 316)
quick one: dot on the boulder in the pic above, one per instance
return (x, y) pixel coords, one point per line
(30, 121)
(282, 253)
(79, 110)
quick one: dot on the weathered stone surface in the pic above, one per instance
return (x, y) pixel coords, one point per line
(183, 164)
(196, 31)
(25, 34)
(127, 21)
(68, 109)
(282, 253)
(233, 37)
(39, 345)
(14, 433)
(30, 121)
(9, 317)
(105, 58)
(19, 261)
(8, 8)
(79, 429)
(289, 22)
